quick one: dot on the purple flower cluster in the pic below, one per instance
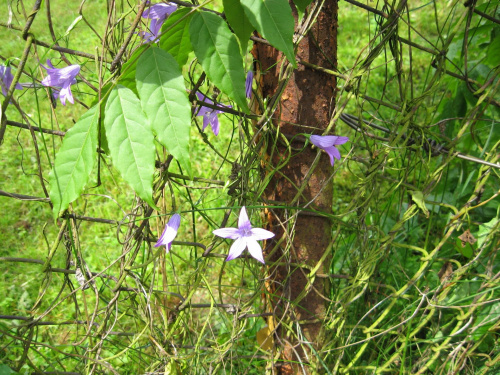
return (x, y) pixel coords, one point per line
(157, 13)
(59, 79)
(245, 235)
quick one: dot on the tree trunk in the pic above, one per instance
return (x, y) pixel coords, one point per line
(305, 106)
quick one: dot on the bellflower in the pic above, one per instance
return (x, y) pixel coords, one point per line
(63, 79)
(169, 232)
(210, 114)
(248, 84)
(6, 79)
(157, 13)
(245, 236)
(328, 143)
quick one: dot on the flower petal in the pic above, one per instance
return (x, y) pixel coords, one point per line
(255, 250)
(6, 79)
(214, 122)
(332, 153)
(261, 234)
(158, 11)
(248, 84)
(203, 98)
(55, 96)
(206, 120)
(323, 141)
(167, 236)
(341, 140)
(155, 27)
(66, 93)
(243, 221)
(59, 77)
(202, 111)
(170, 231)
(232, 233)
(236, 248)
(145, 36)
(51, 81)
(175, 221)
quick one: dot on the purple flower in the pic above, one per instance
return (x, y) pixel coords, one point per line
(150, 36)
(248, 84)
(157, 13)
(210, 114)
(245, 236)
(328, 143)
(6, 79)
(63, 79)
(169, 232)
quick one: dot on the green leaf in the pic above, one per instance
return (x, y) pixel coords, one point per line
(219, 53)
(175, 39)
(464, 248)
(487, 317)
(127, 76)
(454, 105)
(235, 15)
(273, 19)
(103, 143)
(484, 230)
(73, 25)
(165, 101)
(302, 4)
(493, 52)
(130, 141)
(74, 161)
(418, 198)
(6, 370)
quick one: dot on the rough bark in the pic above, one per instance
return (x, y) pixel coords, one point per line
(305, 107)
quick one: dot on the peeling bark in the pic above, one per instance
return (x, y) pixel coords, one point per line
(305, 107)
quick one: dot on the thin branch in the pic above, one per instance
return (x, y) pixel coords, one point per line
(131, 33)
(55, 48)
(35, 128)
(368, 8)
(57, 270)
(487, 16)
(24, 197)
